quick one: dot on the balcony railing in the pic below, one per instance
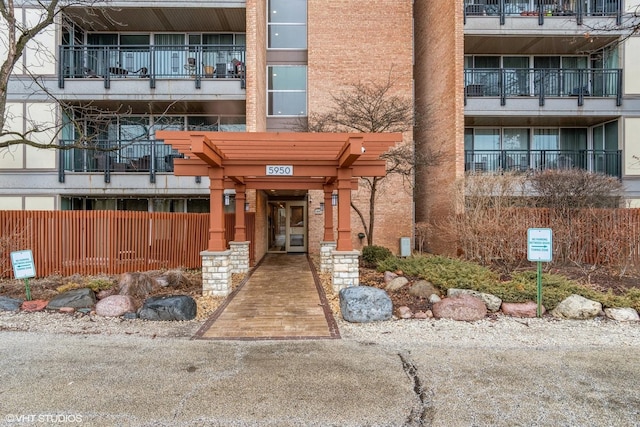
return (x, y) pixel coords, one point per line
(602, 161)
(150, 157)
(543, 83)
(195, 62)
(541, 9)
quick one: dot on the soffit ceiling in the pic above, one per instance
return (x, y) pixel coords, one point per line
(531, 45)
(160, 19)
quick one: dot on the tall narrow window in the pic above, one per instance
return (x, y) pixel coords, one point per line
(287, 90)
(287, 23)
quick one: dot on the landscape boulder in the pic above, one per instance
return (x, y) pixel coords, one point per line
(9, 304)
(521, 309)
(34, 305)
(361, 304)
(492, 302)
(173, 279)
(389, 276)
(405, 312)
(423, 289)
(76, 298)
(171, 307)
(115, 306)
(577, 307)
(460, 307)
(622, 314)
(136, 285)
(396, 284)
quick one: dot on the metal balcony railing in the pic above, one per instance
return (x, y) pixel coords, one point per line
(139, 156)
(602, 161)
(543, 83)
(195, 62)
(541, 9)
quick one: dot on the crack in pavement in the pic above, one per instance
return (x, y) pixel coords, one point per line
(423, 412)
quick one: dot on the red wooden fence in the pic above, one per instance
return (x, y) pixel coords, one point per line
(108, 242)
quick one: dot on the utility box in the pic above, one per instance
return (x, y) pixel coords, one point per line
(405, 246)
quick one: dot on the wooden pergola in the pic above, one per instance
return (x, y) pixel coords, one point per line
(280, 161)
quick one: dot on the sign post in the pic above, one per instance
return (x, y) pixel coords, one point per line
(24, 268)
(539, 249)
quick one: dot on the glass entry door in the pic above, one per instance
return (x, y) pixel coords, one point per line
(297, 226)
(287, 226)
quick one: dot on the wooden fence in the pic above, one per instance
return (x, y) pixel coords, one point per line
(603, 237)
(108, 242)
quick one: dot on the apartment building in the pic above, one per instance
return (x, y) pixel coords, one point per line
(552, 84)
(497, 85)
(131, 69)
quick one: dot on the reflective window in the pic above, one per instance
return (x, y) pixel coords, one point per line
(287, 24)
(287, 90)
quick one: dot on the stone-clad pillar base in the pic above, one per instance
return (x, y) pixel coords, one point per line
(216, 273)
(345, 269)
(239, 257)
(326, 263)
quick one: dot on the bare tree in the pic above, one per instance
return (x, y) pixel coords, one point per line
(19, 37)
(372, 107)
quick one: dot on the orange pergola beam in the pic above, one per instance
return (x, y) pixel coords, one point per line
(322, 161)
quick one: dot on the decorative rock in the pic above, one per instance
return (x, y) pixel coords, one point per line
(405, 312)
(434, 299)
(174, 279)
(460, 307)
(521, 309)
(397, 284)
(35, 305)
(622, 314)
(105, 293)
(577, 307)
(136, 285)
(389, 276)
(130, 315)
(9, 304)
(76, 298)
(115, 306)
(422, 315)
(67, 310)
(423, 289)
(493, 302)
(172, 307)
(361, 304)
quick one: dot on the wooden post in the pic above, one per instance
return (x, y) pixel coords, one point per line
(344, 210)
(216, 220)
(328, 213)
(240, 230)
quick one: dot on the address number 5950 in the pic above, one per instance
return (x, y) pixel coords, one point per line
(279, 170)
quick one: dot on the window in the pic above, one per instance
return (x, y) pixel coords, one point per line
(287, 24)
(287, 90)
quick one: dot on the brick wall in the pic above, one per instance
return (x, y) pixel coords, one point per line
(439, 48)
(256, 80)
(350, 42)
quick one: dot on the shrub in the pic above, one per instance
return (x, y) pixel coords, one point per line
(443, 272)
(373, 255)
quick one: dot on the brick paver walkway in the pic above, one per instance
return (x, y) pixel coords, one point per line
(281, 300)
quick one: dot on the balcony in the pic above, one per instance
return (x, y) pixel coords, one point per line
(148, 157)
(150, 63)
(544, 83)
(541, 9)
(601, 161)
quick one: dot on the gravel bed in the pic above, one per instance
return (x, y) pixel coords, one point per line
(500, 331)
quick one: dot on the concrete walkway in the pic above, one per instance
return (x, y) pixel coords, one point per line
(282, 299)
